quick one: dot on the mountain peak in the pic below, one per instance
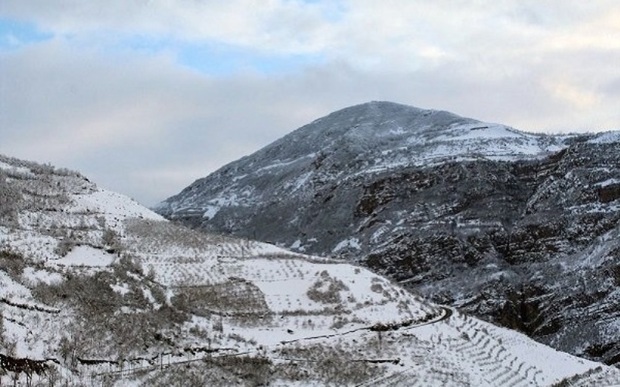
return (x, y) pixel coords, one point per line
(378, 135)
(369, 138)
(385, 106)
(387, 126)
(381, 114)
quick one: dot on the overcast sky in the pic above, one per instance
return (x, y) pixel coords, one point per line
(145, 96)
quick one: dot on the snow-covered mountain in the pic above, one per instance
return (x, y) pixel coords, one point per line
(96, 289)
(352, 143)
(520, 229)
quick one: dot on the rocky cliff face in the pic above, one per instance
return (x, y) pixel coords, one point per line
(530, 245)
(517, 228)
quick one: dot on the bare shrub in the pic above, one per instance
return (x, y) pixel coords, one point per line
(135, 297)
(2, 341)
(9, 200)
(64, 246)
(377, 288)
(327, 365)
(237, 297)
(12, 263)
(127, 264)
(326, 289)
(202, 373)
(158, 294)
(339, 322)
(88, 294)
(111, 239)
(253, 370)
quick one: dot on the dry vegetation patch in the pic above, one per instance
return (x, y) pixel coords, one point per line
(326, 289)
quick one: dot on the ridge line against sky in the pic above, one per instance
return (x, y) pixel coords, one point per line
(145, 96)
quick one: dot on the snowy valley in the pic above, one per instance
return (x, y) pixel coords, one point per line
(98, 290)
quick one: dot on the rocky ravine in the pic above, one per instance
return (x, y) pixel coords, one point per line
(517, 228)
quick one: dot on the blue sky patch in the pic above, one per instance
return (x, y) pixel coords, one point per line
(216, 59)
(219, 59)
(15, 34)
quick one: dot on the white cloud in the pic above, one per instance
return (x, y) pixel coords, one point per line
(113, 118)
(273, 25)
(121, 115)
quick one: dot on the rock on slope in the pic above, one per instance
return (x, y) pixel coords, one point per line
(97, 289)
(517, 228)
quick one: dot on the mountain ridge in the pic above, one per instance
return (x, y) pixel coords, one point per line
(436, 136)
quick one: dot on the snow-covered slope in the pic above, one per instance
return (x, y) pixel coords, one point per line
(479, 216)
(279, 193)
(98, 290)
(364, 139)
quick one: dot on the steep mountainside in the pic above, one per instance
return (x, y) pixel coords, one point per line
(95, 289)
(517, 228)
(347, 147)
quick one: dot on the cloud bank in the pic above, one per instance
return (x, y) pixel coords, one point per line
(147, 96)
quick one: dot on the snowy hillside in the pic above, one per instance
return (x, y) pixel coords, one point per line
(98, 290)
(365, 139)
(478, 216)
(350, 147)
